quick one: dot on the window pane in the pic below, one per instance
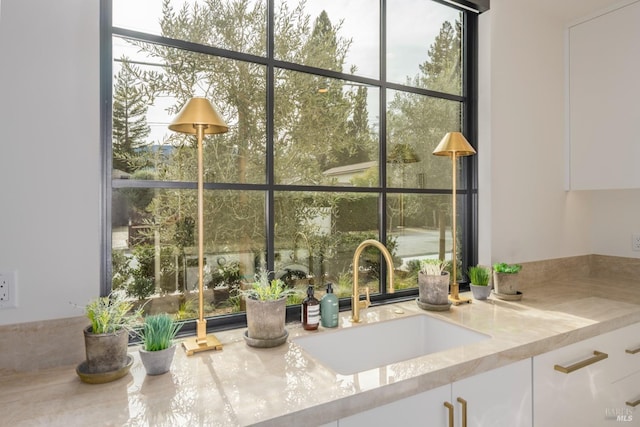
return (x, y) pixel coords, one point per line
(150, 85)
(424, 45)
(419, 227)
(415, 126)
(154, 246)
(198, 21)
(317, 234)
(338, 35)
(326, 131)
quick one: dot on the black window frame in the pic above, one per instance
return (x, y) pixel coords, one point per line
(469, 165)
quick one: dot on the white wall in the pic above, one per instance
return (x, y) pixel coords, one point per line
(531, 216)
(615, 216)
(49, 155)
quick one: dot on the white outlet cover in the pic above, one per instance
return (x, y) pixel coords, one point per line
(8, 294)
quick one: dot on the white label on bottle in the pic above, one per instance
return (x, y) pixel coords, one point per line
(313, 314)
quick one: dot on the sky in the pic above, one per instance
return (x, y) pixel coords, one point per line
(412, 26)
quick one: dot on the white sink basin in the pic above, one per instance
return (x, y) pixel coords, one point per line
(365, 347)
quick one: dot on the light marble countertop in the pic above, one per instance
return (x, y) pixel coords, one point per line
(284, 386)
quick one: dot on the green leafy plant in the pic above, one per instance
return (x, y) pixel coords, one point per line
(265, 289)
(503, 267)
(112, 313)
(433, 267)
(158, 332)
(479, 275)
(187, 309)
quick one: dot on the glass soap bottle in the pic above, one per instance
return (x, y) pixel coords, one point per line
(310, 311)
(329, 308)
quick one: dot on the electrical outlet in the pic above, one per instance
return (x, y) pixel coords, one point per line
(635, 241)
(8, 295)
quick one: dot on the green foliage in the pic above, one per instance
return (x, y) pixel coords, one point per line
(130, 128)
(433, 266)
(111, 313)
(158, 332)
(503, 267)
(187, 309)
(479, 275)
(265, 289)
(141, 287)
(121, 270)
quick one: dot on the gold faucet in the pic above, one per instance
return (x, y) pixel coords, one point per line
(356, 304)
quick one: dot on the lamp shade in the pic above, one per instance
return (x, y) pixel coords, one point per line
(454, 144)
(198, 111)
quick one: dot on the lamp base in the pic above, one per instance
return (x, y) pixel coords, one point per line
(459, 300)
(454, 296)
(192, 346)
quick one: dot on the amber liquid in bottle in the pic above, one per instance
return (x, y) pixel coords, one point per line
(310, 311)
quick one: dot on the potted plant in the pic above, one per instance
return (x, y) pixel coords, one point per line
(158, 347)
(107, 338)
(505, 279)
(433, 285)
(266, 302)
(479, 277)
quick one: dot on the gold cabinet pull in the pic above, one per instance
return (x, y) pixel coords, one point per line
(450, 408)
(597, 356)
(464, 411)
(633, 351)
(633, 404)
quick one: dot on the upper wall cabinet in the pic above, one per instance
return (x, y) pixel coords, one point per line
(604, 101)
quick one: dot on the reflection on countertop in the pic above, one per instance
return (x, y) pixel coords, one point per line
(241, 385)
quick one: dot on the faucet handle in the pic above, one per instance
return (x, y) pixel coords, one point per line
(366, 302)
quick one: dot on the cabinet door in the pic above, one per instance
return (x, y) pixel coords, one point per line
(623, 348)
(423, 409)
(501, 397)
(577, 398)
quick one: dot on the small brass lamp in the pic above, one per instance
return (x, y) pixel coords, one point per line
(198, 117)
(454, 145)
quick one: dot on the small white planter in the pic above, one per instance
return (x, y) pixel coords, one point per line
(157, 362)
(480, 292)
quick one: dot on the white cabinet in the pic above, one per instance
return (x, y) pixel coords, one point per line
(603, 93)
(501, 397)
(498, 398)
(587, 383)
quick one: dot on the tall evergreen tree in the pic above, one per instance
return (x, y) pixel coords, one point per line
(130, 128)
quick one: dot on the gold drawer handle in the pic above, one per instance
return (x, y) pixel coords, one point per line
(464, 411)
(634, 351)
(450, 408)
(597, 356)
(633, 404)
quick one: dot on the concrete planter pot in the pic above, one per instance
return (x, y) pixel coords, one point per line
(106, 352)
(506, 283)
(433, 290)
(480, 292)
(157, 362)
(265, 322)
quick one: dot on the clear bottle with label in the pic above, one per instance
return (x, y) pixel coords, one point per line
(310, 311)
(329, 308)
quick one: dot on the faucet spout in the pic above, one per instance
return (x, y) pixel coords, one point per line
(356, 304)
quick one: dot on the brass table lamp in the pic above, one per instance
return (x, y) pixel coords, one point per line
(198, 117)
(454, 145)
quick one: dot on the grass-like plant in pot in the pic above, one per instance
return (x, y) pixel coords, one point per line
(505, 278)
(479, 277)
(158, 347)
(433, 282)
(107, 338)
(266, 303)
